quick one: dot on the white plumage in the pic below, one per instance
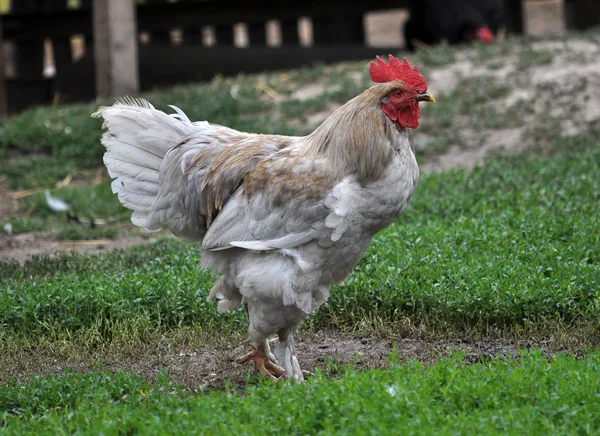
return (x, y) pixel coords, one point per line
(280, 218)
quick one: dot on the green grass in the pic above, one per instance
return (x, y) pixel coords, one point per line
(530, 395)
(90, 202)
(94, 203)
(506, 245)
(530, 57)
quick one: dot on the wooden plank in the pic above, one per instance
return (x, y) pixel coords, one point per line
(345, 29)
(115, 47)
(160, 66)
(61, 48)
(184, 14)
(3, 108)
(224, 35)
(257, 34)
(340, 28)
(23, 5)
(51, 24)
(192, 35)
(348, 29)
(161, 36)
(187, 14)
(513, 14)
(29, 58)
(55, 5)
(289, 31)
(322, 31)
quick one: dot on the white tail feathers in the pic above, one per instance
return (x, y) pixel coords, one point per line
(136, 142)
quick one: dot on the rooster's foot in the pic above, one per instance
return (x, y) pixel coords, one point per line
(264, 362)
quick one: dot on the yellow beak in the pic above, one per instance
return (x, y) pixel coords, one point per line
(426, 96)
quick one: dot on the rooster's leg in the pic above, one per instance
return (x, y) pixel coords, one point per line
(261, 356)
(286, 355)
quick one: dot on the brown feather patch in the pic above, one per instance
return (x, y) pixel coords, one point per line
(228, 169)
(287, 177)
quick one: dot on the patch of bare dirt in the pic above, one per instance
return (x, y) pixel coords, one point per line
(311, 90)
(497, 141)
(8, 205)
(21, 247)
(211, 368)
(566, 90)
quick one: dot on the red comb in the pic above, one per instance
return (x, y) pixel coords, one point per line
(396, 70)
(484, 34)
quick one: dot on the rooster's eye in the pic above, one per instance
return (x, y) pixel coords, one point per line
(398, 93)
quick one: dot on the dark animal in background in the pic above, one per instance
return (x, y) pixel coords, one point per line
(455, 21)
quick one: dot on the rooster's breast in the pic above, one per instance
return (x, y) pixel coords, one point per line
(367, 210)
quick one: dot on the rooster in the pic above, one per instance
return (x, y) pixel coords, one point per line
(280, 219)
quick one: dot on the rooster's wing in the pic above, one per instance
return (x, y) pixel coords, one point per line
(287, 200)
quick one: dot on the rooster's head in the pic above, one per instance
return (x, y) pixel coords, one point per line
(406, 87)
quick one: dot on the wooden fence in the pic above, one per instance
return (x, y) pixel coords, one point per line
(181, 41)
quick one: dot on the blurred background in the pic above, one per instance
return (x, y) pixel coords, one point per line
(48, 45)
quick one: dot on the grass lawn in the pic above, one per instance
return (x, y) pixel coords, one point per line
(505, 246)
(528, 396)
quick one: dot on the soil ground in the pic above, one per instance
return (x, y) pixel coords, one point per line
(211, 367)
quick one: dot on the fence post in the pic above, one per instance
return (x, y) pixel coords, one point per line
(543, 17)
(3, 108)
(115, 47)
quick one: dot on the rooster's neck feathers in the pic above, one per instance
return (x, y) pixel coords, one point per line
(357, 137)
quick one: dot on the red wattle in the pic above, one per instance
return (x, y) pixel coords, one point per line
(409, 116)
(390, 112)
